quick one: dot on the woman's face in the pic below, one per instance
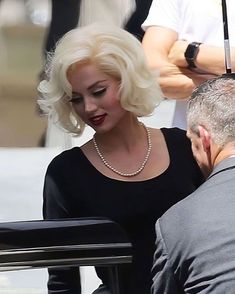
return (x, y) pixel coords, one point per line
(95, 97)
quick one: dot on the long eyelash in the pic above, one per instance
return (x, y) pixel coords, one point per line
(100, 92)
(75, 99)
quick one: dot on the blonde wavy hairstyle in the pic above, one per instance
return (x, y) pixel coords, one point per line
(113, 51)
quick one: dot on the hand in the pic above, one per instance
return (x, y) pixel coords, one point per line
(178, 82)
(175, 82)
(176, 54)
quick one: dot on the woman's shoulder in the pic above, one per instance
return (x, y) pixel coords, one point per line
(175, 135)
(177, 141)
(173, 132)
(65, 158)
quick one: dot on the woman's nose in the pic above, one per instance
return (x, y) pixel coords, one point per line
(90, 105)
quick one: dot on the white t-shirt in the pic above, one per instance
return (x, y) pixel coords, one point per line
(193, 20)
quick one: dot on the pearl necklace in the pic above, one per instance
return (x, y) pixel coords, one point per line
(121, 173)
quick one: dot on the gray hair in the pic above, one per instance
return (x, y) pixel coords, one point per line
(115, 52)
(212, 105)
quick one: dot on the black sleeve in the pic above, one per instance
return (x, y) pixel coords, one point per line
(55, 206)
(54, 200)
(64, 280)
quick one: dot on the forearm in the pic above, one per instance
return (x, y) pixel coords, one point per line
(175, 82)
(178, 83)
(212, 59)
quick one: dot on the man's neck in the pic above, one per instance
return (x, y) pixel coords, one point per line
(227, 152)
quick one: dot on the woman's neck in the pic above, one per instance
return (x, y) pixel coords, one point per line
(125, 135)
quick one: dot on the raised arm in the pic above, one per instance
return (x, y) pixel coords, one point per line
(176, 82)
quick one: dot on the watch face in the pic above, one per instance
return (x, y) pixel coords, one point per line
(190, 51)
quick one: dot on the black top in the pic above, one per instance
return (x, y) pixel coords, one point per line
(75, 188)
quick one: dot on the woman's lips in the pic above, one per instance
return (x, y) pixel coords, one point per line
(97, 120)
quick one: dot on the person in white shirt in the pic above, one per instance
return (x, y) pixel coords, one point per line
(174, 27)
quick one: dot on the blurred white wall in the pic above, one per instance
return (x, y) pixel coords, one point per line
(106, 11)
(18, 11)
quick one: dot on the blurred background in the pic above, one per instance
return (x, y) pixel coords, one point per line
(22, 29)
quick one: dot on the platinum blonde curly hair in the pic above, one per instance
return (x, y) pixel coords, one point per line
(112, 50)
(212, 105)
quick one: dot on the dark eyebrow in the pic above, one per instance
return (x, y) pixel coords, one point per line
(93, 85)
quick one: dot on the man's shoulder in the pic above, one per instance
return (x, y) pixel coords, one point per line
(183, 207)
(189, 214)
(178, 219)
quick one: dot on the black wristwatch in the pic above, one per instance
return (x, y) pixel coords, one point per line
(191, 53)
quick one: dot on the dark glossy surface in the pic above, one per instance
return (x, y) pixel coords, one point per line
(84, 241)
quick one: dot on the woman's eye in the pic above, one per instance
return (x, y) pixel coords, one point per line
(76, 99)
(99, 92)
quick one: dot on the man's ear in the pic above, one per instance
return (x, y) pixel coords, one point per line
(205, 138)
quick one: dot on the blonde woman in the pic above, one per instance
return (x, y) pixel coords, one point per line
(127, 172)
